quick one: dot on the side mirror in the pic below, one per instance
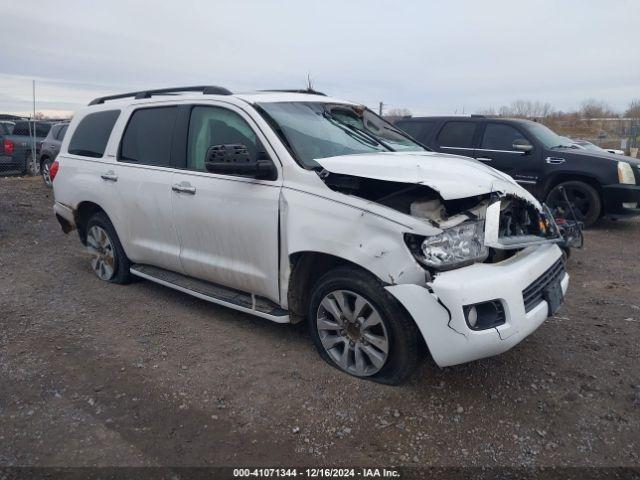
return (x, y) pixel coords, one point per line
(234, 159)
(522, 145)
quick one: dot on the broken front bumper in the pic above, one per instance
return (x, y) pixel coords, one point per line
(440, 317)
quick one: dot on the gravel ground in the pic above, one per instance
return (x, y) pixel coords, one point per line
(99, 374)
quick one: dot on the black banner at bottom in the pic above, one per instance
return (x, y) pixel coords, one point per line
(309, 473)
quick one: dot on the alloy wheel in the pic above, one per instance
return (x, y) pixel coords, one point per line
(102, 254)
(352, 333)
(46, 173)
(578, 198)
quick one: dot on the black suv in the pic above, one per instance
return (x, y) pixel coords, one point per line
(596, 183)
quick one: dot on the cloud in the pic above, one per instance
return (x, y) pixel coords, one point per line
(430, 57)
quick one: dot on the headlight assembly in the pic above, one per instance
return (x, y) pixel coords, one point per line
(625, 173)
(453, 248)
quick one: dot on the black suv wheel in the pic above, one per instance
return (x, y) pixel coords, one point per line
(582, 196)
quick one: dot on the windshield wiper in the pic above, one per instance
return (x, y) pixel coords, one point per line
(355, 132)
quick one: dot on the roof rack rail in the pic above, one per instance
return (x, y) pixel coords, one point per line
(309, 91)
(478, 115)
(206, 90)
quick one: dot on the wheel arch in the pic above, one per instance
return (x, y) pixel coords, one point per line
(84, 212)
(306, 268)
(560, 177)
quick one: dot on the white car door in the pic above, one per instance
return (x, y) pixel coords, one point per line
(227, 223)
(144, 174)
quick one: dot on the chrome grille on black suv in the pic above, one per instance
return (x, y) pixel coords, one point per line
(534, 293)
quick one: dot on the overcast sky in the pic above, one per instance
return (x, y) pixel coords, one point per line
(428, 56)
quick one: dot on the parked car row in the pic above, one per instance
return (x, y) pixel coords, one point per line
(16, 145)
(596, 182)
(294, 206)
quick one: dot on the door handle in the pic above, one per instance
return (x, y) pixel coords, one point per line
(485, 159)
(554, 160)
(184, 187)
(109, 176)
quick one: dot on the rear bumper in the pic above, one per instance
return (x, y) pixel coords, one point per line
(619, 200)
(66, 216)
(10, 160)
(440, 317)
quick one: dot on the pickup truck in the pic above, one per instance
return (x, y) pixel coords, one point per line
(15, 148)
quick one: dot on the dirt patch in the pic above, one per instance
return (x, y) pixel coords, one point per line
(99, 374)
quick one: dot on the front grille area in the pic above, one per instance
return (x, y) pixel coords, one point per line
(534, 293)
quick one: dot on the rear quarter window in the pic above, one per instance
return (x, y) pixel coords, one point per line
(92, 134)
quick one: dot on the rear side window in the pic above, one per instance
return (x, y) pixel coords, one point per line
(498, 136)
(62, 132)
(92, 134)
(148, 136)
(418, 130)
(457, 134)
(26, 129)
(54, 131)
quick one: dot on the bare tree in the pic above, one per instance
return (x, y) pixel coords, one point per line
(521, 109)
(592, 108)
(395, 114)
(489, 112)
(634, 110)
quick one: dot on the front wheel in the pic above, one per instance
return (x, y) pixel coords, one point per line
(584, 199)
(359, 328)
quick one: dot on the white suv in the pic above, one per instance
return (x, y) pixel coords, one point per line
(293, 205)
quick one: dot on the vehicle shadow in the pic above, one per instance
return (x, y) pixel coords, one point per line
(428, 377)
(606, 225)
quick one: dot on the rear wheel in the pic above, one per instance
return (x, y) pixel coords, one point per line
(108, 259)
(45, 171)
(584, 199)
(359, 328)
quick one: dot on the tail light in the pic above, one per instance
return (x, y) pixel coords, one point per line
(54, 170)
(8, 147)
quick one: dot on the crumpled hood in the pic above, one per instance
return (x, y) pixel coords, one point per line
(452, 176)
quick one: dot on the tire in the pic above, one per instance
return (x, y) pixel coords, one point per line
(109, 261)
(356, 289)
(24, 167)
(585, 199)
(45, 166)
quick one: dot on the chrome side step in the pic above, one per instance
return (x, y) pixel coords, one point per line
(211, 292)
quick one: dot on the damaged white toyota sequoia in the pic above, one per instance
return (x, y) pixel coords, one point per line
(295, 206)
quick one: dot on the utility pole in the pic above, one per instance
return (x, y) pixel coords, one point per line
(380, 108)
(33, 139)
